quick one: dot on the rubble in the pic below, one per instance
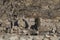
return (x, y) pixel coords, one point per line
(29, 19)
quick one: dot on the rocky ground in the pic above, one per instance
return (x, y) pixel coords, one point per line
(29, 19)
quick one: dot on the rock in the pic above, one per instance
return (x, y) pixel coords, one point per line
(24, 17)
(21, 23)
(54, 37)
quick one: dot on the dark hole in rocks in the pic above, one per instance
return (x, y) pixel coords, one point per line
(15, 16)
(26, 34)
(33, 34)
(6, 30)
(0, 24)
(16, 23)
(55, 31)
(36, 24)
(11, 24)
(26, 23)
(34, 27)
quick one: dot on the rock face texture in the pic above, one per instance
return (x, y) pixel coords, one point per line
(29, 19)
